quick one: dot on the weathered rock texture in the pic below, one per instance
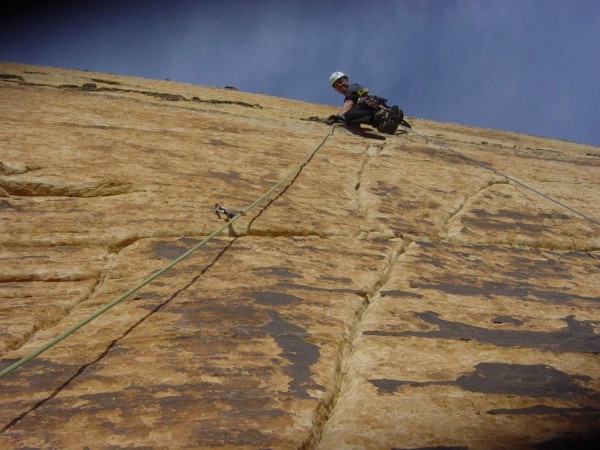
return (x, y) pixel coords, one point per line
(392, 295)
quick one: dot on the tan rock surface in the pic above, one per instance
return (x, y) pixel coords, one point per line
(393, 294)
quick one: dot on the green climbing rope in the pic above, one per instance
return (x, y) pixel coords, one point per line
(174, 262)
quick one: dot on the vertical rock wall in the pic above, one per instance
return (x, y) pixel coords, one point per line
(391, 294)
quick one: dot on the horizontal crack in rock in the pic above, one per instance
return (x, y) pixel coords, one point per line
(25, 188)
(92, 87)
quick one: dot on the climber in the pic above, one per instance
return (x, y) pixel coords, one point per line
(361, 107)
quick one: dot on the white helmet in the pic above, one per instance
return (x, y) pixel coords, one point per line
(336, 76)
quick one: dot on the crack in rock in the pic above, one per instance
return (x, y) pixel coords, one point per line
(92, 87)
(65, 310)
(447, 228)
(115, 342)
(325, 410)
(23, 188)
(371, 151)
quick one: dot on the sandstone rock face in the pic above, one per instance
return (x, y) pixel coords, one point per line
(392, 294)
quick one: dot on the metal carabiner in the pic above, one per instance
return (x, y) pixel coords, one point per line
(228, 212)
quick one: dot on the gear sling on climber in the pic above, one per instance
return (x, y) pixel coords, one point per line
(361, 107)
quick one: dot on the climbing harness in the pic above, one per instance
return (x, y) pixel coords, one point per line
(370, 101)
(232, 219)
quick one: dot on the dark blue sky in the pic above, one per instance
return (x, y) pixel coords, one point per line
(531, 66)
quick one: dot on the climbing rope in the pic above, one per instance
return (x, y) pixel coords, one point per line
(497, 172)
(231, 215)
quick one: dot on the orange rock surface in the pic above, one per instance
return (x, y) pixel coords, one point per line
(436, 289)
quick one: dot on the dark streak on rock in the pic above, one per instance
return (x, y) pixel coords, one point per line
(576, 337)
(535, 380)
(272, 298)
(301, 353)
(276, 272)
(220, 143)
(9, 76)
(506, 319)
(591, 442)
(489, 289)
(189, 241)
(336, 279)
(398, 293)
(6, 205)
(545, 410)
(320, 289)
(168, 250)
